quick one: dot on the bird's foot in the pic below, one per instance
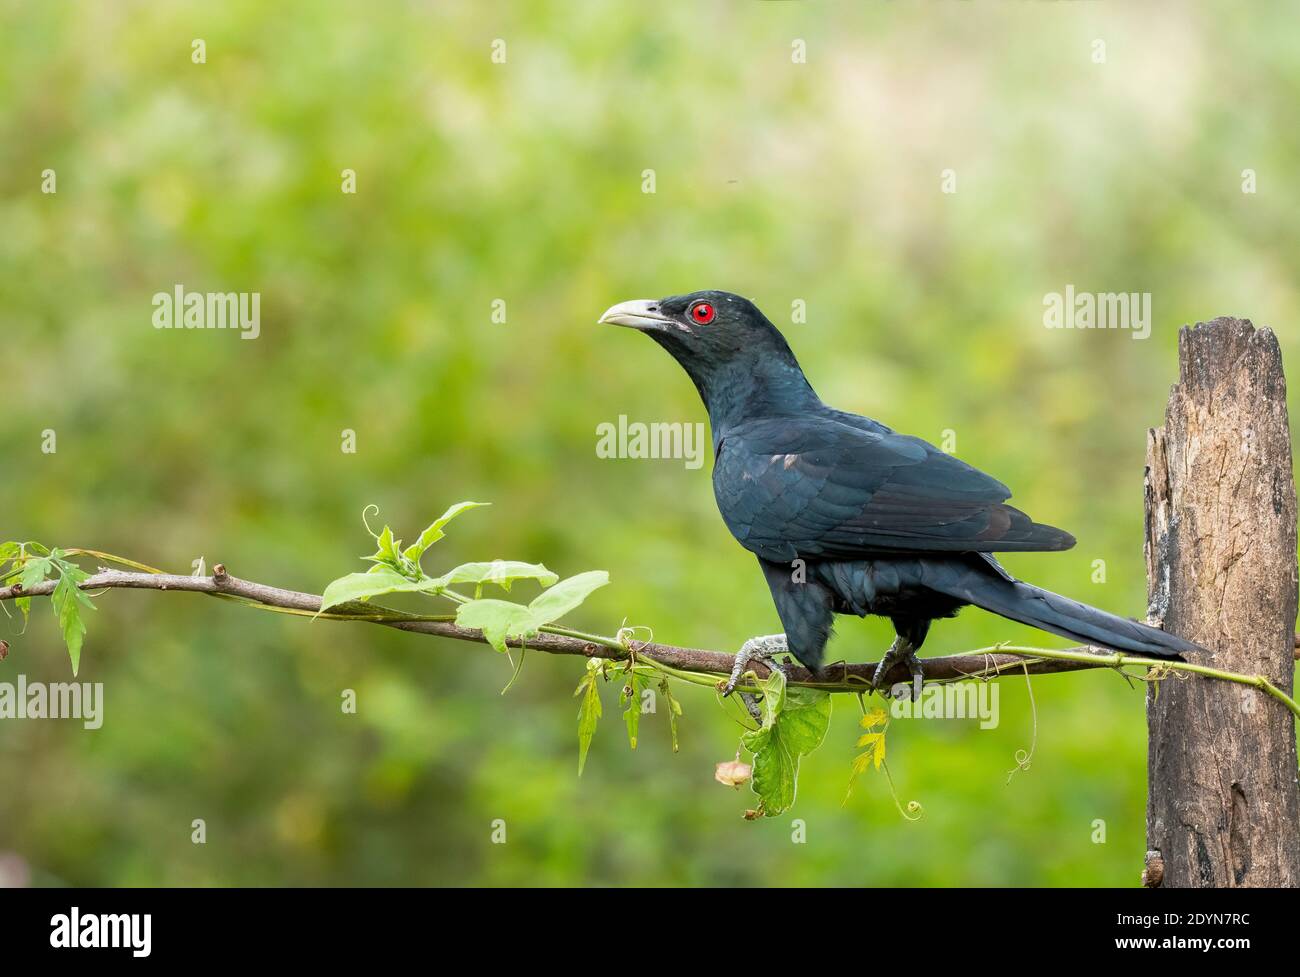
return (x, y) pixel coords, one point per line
(761, 649)
(900, 651)
(751, 706)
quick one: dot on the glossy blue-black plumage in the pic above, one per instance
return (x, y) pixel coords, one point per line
(845, 515)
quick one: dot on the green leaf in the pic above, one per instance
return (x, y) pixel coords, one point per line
(500, 572)
(68, 600)
(674, 709)
(588, 711)
(387, 554)
(380, 579)
(434, 532)
(630, 699)
(772, 701)
(794, 724)
(498, 620)
(35, 570)
(78, 576)
(9, 551)
(552, 604)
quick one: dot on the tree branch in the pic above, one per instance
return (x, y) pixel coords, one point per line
(838, 677)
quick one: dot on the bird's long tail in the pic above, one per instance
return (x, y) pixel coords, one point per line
(1051, 612)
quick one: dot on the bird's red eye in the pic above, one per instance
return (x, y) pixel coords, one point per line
(702, 313)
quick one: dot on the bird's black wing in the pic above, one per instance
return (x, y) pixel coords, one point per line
(820, 488)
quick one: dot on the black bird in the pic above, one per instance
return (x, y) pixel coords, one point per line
(846, 516)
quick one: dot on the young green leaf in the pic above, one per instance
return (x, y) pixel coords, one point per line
(78, 576)
(674, 708)
(387, 554)
(497, 619)
(67, 601)
(503, 573)
(551, 605)
(588, 711)
(380, 579)
(773, 700)
(34, 571)
(630, 699)
(501, 619)
(434, 532)
(794, 724)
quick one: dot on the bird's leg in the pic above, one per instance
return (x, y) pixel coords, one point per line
(751, 706)
(901, 650)
(761, 649)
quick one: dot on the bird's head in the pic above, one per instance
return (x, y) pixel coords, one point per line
(726, 345)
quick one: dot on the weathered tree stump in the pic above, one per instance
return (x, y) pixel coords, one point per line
(1224, 805)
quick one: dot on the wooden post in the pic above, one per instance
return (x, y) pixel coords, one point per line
(1223, 807)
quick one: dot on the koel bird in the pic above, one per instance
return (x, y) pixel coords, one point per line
(845, 515)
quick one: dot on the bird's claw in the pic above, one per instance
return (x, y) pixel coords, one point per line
(899, 651)
(751, 706)
(762, 649)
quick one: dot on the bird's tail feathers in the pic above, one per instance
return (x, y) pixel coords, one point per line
(1068, 618)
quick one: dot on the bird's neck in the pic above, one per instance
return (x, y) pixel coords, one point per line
(739, 392)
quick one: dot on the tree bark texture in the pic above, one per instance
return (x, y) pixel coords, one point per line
(1223, 808)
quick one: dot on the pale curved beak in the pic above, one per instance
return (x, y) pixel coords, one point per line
(637, 314)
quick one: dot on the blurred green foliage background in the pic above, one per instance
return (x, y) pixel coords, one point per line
(522, 181)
